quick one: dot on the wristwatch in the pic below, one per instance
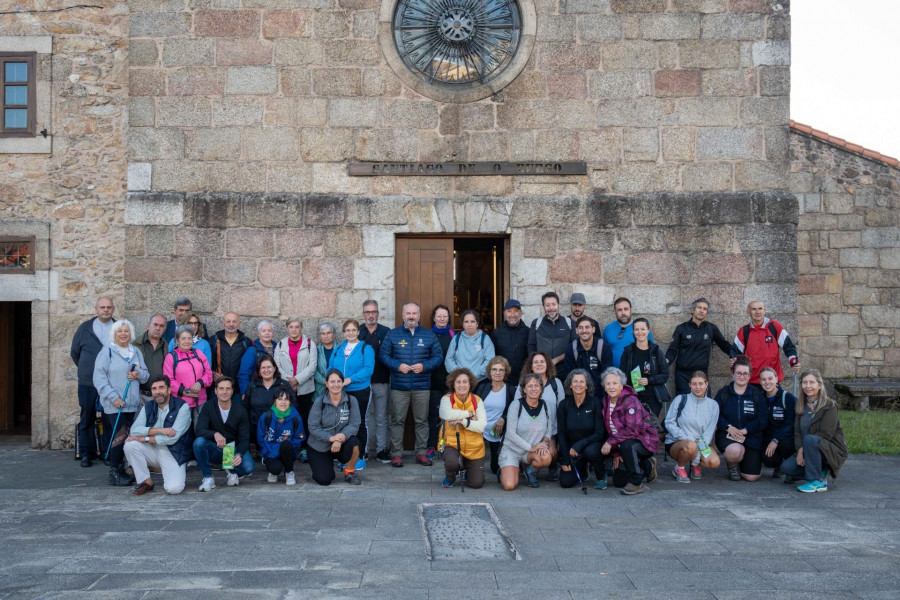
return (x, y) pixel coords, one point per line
(146, 438)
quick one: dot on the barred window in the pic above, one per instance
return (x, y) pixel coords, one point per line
(17, 255)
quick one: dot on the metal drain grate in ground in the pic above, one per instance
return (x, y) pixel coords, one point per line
(465, 531)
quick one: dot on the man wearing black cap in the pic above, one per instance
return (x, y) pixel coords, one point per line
(511, 340)
(577, 302)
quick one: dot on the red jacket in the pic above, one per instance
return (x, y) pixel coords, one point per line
(631, 421)
(761, 344)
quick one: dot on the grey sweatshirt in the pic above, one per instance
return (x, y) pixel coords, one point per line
(524, 432)
(699, 418)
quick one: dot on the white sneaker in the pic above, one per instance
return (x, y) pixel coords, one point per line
(289, 478)
(191, 463)
(208, 484)
(233, 478)
(272, 478)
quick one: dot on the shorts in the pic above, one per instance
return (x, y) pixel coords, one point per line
(752, 462)
(509, 458)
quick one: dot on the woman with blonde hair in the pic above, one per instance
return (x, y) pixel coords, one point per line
(817, 435)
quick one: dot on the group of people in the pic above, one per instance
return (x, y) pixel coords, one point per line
(561, 394)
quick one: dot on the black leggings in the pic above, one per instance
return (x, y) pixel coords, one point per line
(495, 455)
(116, 453)
(321, 462)
(590, 454)
(362, 400)
(284, 461)
(434, 417)
(783, 451)
(635, 463)
(304, 405)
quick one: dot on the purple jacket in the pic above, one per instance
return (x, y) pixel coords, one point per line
(631, 421)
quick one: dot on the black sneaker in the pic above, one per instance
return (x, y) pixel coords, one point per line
(553, 473)
(384, 456)
(734, 473)
(352, 478)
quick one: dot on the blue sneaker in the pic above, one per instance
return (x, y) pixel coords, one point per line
(303, 457)
(600, 484)
(360, 464)
(531, 477)
(341, 466)
(447, 483)
(816, 485)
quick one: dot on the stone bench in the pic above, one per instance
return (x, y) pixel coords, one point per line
(863, 393)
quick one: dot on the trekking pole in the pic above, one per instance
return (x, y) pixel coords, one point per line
(112, 434)
(462, 484)
(795, 386)
(581, 481)
(665, 412)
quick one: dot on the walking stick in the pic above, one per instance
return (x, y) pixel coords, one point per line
(578, 475)
(112, 434)
(462, 484)
(795, 386)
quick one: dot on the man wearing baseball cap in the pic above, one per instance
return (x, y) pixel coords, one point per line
(511, 339)
(578, 303)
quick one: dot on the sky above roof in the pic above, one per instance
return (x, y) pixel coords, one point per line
(844, 71)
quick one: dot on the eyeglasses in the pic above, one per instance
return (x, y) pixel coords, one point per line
(370, 312)
(498, 370)
(193, 322)
(741, 374)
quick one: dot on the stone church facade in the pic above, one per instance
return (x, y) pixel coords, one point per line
(201, 148)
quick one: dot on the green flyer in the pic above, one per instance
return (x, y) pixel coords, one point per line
(228, 456)
(635, 375)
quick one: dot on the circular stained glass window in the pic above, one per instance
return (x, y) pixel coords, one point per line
(461, 43)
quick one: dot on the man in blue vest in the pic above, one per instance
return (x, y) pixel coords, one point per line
(411, 352)
(160, 437)
(182, 307)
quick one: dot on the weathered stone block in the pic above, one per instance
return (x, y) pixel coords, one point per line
(159, 24)
(889, 258)
(591, 7)
(343, 241)
(277, 143)
(772, 53)
(658, 269)
(843, 324)
(722, 268)
(708, 177)
(604, 145)
(191, 241)
(836, 346)
(641, 144)
(669, 26)
(243, 52)
(213, 143)
(354, 112)
(142, 53)
(249, 242)
(229, 270)
(252, 301)
(146, 82)
(183, 112)
(576, 268)
(629, 55)
(530, 271)
(329, 273)
(776, 266)
(162, 269)
(765, 111)
(387, 144)
(187, 52)
(139, 176)
(709, 55)
(881, 237)
(673, 84)
(373, 273)
(733, 26)
(858, 257)
(729, 143)
(288, 177)
(708, 112)
(147, 208)
(352, 52)
(729, 82)
(251, 80)
(226, 23)
(654, 299)
(774, 81)
(570, 86)
(645, 6)
(236, 111)
(217, 210)
(293, 243)
(141, 112)
(280, 274)
(700, 6)
(556, 28)
(597, 27)
(540, 243)
(566, 57)
(337, 82)
(273, 210)
(411, 113)
(324, 210)
(240, 177)
(285, 23)
(312, 303)
(760, 175)
(204, 296)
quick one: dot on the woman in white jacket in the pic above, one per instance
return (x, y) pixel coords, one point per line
(296, 357)
(691, 424)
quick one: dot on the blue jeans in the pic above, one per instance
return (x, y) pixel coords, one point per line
(813, 460)
(206, 452)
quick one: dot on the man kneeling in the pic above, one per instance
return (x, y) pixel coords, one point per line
(221, 423)
(160, 437)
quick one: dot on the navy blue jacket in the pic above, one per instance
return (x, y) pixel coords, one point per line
(183, 449)
(402, 347)
(748, 410)
(781, 418)
(85, 348)
(579, 358)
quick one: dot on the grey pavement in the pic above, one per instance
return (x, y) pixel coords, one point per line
(69, 535)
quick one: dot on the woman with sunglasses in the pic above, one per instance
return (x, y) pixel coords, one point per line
(743, 415)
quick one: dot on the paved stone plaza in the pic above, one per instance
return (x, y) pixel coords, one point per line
(68, 535)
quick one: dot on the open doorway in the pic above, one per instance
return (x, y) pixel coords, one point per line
(464, 271)
(15, 368)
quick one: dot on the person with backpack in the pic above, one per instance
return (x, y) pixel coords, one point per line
(645, 365)
(528, 435)
(690, 429)
(552, 333)
(200, 342)
(297, 358)
(441, 327)
(589, 351)
(118, 372)
(632, 438)
(471, 348)
(464, 419)
(280, 433)
(265, 386)
(228, 346)
(496, 394)
(743, 415)
(188, 370)
(356, 360)
(553, 392)
(333, 425)
(580, 432)
(778, 436)
(760, 340)
(692, 344)
(511, 339)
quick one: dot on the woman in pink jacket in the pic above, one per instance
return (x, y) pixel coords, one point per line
(188, 371)
(632, 438)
